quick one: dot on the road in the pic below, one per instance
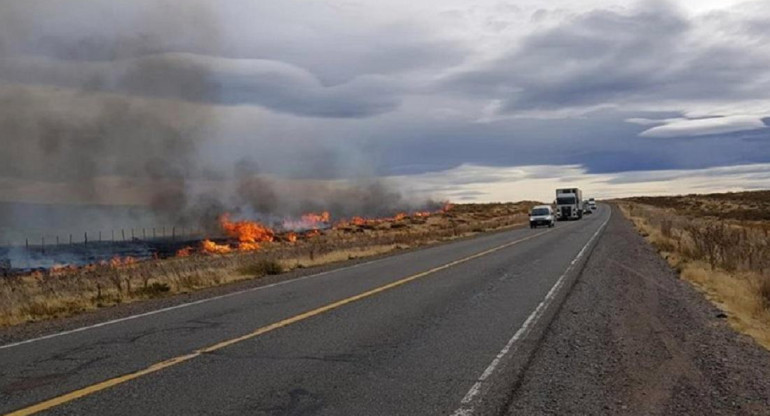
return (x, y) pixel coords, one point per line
(442, 330)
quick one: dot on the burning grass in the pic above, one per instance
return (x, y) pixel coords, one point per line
(723, 254)
(250, 251)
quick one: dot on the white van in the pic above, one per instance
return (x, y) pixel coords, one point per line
(541, 215)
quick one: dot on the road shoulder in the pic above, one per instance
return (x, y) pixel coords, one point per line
(632, 338)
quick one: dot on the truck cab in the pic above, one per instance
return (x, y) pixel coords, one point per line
(569, 204)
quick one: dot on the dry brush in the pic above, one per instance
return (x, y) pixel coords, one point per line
(725, 256)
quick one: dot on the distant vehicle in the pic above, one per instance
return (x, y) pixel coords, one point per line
(592, 203)
(569, 204)
(541, 215)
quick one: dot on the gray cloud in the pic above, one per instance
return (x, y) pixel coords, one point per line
(272, 84)
(703, 126)
(315, 91)
(653, 54)
(296, 60)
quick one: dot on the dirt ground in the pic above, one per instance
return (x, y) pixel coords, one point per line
(632, 338)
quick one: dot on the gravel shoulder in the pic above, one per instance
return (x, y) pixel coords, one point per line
(632, 338)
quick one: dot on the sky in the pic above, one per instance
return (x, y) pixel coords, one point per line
(469, 101)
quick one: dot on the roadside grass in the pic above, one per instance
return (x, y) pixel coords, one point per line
(68, 291)
(726, 260)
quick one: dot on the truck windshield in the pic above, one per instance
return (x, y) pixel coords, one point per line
(540, 212)
(565, 200)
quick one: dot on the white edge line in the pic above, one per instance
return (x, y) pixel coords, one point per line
(183, 305)
(180, 306)
(467, 403)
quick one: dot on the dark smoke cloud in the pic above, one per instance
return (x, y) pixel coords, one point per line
(79, 134)
(79, 104)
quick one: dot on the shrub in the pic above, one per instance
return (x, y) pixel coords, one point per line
(261, 268)
(764, 292)
(154, 289)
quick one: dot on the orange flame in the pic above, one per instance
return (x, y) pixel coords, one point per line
(118, 261)
(322, 217)
(184, 252)
(62, 269)
(248, 233)
(312, 233)
(209, 246)
(291, 237)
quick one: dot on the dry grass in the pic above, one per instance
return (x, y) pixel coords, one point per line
(726, 259)
(66, 292)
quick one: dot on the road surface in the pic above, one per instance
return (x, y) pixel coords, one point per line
(442, 330)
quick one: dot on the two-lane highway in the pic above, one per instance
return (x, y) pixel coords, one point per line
(424, 332)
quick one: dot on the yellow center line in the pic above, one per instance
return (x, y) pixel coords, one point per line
(88, 390)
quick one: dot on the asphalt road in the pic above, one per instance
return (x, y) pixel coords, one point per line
(436, 331)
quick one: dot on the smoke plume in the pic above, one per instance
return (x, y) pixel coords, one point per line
(102, 125)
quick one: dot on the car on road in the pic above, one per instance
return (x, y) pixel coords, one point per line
(541, 215)
(592, 203)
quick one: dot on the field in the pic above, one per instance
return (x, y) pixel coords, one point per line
(721, 244)
(67, 290)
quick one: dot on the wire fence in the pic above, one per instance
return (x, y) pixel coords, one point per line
(41, 241)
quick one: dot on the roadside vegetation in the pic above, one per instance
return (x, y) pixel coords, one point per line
(721, 244)
(66, 291)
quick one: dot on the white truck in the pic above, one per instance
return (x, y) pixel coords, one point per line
(569, 204)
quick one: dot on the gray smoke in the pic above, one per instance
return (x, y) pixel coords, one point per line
(90, 116)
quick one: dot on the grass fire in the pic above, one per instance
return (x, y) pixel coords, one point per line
(241, 249)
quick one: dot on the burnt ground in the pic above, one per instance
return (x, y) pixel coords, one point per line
(632, 338)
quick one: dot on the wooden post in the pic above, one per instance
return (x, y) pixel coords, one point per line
(70, 239)
(113, 236)
(100, 236)
(173, 233)
(57, 240)
(85, 238)
(123, 232)
(26, 243)
(132, 234)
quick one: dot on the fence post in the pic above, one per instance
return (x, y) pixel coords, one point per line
(26, 243)
(85, 238)
(123, 232)
(173, 233)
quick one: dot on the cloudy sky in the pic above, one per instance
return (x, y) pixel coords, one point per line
(472, 101)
